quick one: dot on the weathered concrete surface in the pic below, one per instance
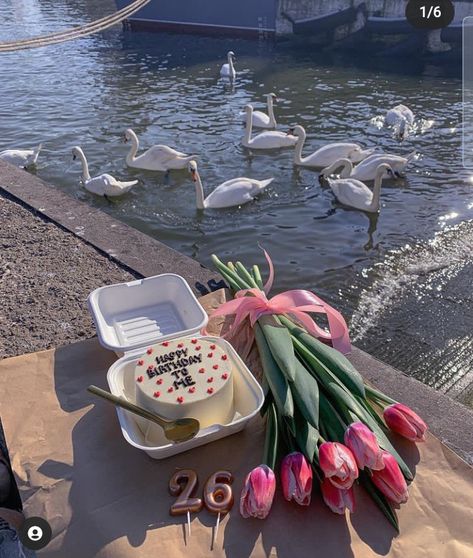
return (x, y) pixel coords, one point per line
(448, 419)
(46, 275)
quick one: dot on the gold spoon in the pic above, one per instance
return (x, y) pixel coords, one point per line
(179, 430)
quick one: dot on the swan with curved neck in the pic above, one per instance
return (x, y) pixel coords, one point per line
(271, 139)
(237, 191)
(328, 154)
(260, 119)
(352, 192)
(367, 169)
(21, 157)
(228, 69)
(103, 185)
(156, 158)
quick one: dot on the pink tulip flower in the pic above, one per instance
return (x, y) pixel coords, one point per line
(296, 478)
(337, 499)
(258, 492)
(363, 444)
(338, 464)
(390, 480)
(405, 422)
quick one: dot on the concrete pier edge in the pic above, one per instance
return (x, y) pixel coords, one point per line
(142, 255)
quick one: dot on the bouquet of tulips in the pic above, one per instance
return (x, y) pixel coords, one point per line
(321, 418)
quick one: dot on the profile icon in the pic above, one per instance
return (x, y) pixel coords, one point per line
(35, 533)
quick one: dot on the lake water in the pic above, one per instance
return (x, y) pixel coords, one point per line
(166, 88)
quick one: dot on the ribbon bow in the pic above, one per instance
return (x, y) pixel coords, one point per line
(253, 303)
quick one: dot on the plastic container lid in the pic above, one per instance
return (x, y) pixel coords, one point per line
(133, 315)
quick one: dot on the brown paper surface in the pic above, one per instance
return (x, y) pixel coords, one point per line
(105, 498)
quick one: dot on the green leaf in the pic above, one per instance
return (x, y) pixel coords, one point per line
(305, 391)
(379, 498)
(337, 363)
(330, 419)
(275, 378)
(280, 344)
(272, 438)
(307, 438)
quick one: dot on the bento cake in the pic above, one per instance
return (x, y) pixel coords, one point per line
(186, 378)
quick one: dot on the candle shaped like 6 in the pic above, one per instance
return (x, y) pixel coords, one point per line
(218, 496)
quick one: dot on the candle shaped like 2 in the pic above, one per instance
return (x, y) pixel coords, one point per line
(182, 484)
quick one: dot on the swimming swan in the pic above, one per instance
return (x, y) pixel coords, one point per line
(260, 119)
(232, 192)
(401, 118)
(352, 192)
(156, 158)
(328, 154)
(265, 140)
(228, 70)
(21, 157)
(366, 170)
(103, 185)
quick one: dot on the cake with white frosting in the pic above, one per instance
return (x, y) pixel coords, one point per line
(186, 378)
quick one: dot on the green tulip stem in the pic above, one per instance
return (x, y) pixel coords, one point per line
(257, 276)
(378, 396)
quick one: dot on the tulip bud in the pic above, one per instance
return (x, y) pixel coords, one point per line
(338, 464)
(405, 422)
(390, 480)
(337, 499)
(296, 478)
(363, 444)
(258, 492)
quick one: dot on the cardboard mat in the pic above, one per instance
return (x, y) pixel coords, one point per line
(104, 498)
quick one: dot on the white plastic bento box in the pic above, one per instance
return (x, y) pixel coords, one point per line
(132, 316)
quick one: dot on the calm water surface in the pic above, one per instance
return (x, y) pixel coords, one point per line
(166, 88)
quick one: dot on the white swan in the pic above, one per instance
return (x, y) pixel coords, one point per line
(260, 119)
(328, 154)
(237, 191)
(21, 157)
(366, 170)
(156, 158)
(228, 70)
(401, 118)
(265, 140)
(103, 185)
(353, 192)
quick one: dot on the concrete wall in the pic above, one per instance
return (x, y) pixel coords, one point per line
(260, 14)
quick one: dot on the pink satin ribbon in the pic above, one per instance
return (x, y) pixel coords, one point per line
(253, 303)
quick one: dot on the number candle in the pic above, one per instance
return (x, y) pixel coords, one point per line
(182, 484)
(218, 496)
